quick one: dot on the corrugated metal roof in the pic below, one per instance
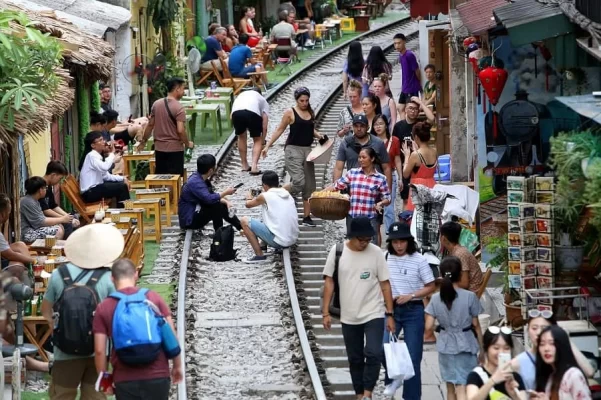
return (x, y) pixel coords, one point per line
(524, 11)
(477, 14)
(586, 105)
(457, 25)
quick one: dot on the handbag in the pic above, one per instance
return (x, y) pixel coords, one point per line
(398, 361)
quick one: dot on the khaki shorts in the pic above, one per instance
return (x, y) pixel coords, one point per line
(68, 375)
(302, 172)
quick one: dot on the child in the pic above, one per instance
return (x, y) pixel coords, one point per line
(430, 87)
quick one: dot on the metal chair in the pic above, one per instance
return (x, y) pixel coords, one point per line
(284, 58)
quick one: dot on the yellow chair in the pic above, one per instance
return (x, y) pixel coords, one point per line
(347, 25)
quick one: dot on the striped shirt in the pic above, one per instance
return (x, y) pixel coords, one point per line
(366, 191)
(408, 273)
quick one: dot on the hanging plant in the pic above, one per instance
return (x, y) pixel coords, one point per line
(95, 88)
(83, 111)
(163, 14)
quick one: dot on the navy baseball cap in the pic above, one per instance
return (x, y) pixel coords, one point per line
(360, 119)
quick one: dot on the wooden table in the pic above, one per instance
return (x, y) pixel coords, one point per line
(162, 195)
(354, 11)
(362, 23)
(39, 246)
(172, 181)
(136, 156)
(152, 206)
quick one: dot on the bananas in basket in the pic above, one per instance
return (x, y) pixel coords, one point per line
(330, 195)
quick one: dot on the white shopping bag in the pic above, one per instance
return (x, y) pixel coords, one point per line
(398, 361)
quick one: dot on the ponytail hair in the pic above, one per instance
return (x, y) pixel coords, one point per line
(375, 101)
(421, 130)
(450, 271)
(383, 78)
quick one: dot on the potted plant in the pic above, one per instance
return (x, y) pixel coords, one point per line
(498, 248)
(570, 151)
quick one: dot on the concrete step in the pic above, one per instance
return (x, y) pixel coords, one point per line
(333, 351)
(336, 329)
(317, 268)
(309, 240)
(313, 301)
(331, 338)
(311, 247)
(312, 276)
(344, 395)
(311, 254)
(313, 284)
(312, 261)
(313, 233)
(335, 361)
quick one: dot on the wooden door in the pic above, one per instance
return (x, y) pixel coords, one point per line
(439, 57)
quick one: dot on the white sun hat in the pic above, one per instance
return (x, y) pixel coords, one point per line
(94, 246)
(321, 153)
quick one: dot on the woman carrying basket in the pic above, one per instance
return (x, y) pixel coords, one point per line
(368, 190)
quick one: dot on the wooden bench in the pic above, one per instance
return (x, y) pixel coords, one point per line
(161, 194)
(70, 187)
(134, 249)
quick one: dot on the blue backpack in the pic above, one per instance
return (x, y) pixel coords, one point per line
(137, 337)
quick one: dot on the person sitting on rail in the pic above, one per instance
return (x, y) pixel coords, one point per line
(279, 228)
(198, 190)
(95, 181)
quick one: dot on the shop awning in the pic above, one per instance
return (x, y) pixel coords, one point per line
(529, 21)
(90, 16)
(593, 51)
(477, 14)
(586, 105)
(422, 8)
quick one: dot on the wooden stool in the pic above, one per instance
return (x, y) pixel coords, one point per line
(136, 156)
(160, 194)
(205, 110)
(171, 181)
(225, 100)
(152, 164)
(137, 213)
(37, 331)
(152, 206)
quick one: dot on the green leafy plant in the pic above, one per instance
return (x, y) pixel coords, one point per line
(28, 61)
(173, 67)
(163, 14)
(498, 248)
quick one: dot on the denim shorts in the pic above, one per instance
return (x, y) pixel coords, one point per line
(263, 233)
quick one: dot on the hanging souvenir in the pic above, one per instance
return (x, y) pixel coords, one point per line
(493, 81)
(468, 41)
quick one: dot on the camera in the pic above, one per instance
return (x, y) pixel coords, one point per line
(255, 192)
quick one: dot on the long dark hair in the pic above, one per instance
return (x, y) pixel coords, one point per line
(87, 146)
(373, 99)
(564, 360)
(303, 91)
(450, 271)
(354, 59)
(377, 63)
(383, 118)
(489, 339)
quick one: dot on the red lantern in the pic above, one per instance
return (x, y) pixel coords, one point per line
(493, 81)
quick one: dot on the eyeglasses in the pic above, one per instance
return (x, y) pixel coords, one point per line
(364, 239)
(495, 330)
(534, 313)
(412, 108)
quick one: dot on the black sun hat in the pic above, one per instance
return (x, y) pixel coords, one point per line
(360, 227)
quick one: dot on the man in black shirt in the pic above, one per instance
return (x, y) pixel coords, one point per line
(55, 172)
(403, 130)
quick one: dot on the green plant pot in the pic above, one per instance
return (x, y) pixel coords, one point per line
(569, 258)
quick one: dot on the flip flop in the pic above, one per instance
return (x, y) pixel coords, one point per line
(256, 173)
(247, 169)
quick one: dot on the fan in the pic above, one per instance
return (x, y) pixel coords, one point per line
(193, 64)
(140, 66)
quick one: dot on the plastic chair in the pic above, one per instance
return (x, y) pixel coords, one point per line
(347, 25)
(284, 58)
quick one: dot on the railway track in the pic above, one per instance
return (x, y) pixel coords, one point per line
(250, 331)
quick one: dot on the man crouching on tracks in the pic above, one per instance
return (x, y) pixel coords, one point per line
(279, 228)
(361, 273)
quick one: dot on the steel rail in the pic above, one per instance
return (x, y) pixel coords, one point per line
(220, 157)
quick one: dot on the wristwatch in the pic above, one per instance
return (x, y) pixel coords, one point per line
(388, 314)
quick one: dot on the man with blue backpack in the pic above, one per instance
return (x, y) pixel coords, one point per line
(141, 330)
(74, 291)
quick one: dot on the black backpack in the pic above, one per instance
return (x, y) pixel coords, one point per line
(222, 248)
(75, 308)
(335, 302)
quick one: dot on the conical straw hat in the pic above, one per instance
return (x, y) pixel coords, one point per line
(94, 246)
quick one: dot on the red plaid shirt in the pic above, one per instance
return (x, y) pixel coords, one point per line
(366, 191)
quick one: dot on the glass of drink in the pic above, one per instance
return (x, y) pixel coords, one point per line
(115, 216)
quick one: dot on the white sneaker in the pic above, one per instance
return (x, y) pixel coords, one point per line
(309, 43)
(391, 389)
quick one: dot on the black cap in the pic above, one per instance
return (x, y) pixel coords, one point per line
(360, 119)
(360, 227)
(399, 231)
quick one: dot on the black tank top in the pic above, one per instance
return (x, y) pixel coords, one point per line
(301, 131)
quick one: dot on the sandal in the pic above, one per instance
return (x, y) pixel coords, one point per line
(247, 169)
(259, 172)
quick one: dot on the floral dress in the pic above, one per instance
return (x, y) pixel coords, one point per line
(574, 386)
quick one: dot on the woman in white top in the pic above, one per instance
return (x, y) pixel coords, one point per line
(411, 280)
(95, 181)
(525, 362)
(557, 373)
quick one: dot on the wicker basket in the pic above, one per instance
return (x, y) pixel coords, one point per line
(330, 208)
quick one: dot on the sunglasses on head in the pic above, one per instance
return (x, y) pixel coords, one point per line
(534, 313)
(495, 330)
